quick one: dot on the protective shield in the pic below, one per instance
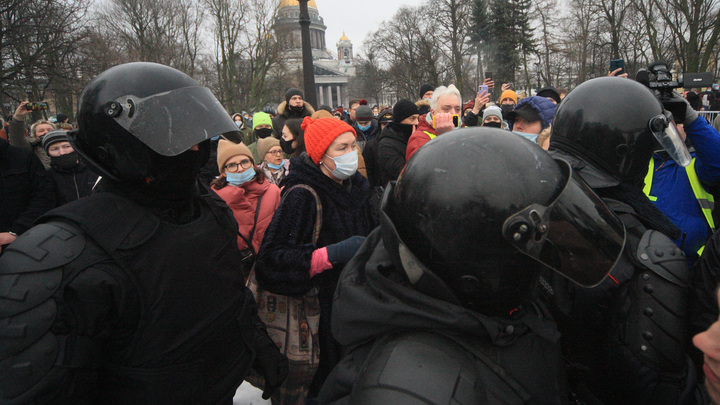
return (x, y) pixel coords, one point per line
(172, 122)
(665, 131)
(577, 235)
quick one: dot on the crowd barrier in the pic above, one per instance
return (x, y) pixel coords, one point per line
(709, 115)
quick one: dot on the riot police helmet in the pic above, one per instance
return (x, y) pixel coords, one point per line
(615, 125)
(136, 122)
(484, 209)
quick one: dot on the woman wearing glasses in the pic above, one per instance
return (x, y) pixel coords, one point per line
(273, 164)
(246, 191)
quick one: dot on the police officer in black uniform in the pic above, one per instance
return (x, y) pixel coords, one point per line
(437, 306)
(133, 295)
(624, 339)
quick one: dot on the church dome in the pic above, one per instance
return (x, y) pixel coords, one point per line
(288, 3)
(344, 38)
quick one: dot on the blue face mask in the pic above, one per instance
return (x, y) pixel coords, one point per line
(365, 127)
(345, 165)
(238, 179)
(274, 166)
(530, 137)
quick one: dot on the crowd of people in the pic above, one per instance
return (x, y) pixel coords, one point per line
(554, 248)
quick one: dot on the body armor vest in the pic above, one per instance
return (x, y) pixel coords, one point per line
(193, 338)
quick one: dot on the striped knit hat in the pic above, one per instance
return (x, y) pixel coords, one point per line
(320, 133)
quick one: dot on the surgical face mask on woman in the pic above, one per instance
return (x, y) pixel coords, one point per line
(238, 179)
(345, 165)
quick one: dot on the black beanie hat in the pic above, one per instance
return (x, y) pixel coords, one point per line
(293, 92)
(425, 88)
(403, 109)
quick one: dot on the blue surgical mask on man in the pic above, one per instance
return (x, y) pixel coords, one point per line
(345, 165)
(238, 179)
(364, 127)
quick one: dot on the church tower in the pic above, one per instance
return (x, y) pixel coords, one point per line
(344, 50)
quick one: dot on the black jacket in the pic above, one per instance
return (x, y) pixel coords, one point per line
(25, 190)
(283, 262)
(377, 309)
(284, 114)
(71, 184)
(391, 153)
(643, 298)
(372, 132)
(144, 311)
(372, 166)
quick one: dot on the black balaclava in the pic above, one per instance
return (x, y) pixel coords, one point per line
(64, 162)
(403, 109)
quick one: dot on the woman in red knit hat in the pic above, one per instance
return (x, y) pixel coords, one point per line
(289, 263)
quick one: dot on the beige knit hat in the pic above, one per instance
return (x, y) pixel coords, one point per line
(227, 149)
(264, 145)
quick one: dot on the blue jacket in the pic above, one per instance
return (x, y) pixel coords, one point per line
(672, 188)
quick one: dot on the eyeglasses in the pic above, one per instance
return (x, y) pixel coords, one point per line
(235, 167)
(275, 152)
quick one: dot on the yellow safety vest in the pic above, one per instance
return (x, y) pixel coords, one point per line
(704, 199)
(430, 134)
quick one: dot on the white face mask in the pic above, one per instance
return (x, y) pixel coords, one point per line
(345, 165)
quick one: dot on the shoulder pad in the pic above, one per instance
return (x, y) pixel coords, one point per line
(656, 329)
(418, 369)
(659, 253)
(30, 267)
(97, 216)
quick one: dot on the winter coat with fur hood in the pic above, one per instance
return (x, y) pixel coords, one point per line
(285, 114)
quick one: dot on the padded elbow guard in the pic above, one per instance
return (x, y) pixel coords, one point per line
(30, 275)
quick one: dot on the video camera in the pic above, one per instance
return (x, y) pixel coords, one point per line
(659, 79)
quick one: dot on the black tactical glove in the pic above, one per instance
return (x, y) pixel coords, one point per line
(343, 251)
(269, 363)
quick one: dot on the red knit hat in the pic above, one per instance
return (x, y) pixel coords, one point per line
(320, 133)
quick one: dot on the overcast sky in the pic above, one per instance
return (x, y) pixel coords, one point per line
(358, 18)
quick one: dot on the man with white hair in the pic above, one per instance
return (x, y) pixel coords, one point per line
(444, 116)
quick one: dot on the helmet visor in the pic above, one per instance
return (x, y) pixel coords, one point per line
(665, 131)
(577, 235)
(171, 123)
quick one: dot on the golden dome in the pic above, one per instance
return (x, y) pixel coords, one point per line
(288, 3)
(344, 38)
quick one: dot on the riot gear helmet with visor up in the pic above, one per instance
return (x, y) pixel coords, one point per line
(137, 121)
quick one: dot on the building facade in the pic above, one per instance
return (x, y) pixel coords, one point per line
(331, 75)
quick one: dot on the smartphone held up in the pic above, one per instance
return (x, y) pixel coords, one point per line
(36, 106)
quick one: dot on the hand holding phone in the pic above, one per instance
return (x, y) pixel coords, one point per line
(36, 106)
(445, 122)
(483, 89)
(616, 64)
(480, 100)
